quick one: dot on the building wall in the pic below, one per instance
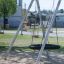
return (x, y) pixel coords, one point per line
(15, 19)
(59, 21)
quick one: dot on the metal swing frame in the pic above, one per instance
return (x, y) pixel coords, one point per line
(47, 33)
(19, 28)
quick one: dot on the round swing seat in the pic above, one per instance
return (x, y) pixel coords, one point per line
(47, 46)
(35, 36)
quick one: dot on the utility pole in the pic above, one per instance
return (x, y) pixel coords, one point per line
(20, 4)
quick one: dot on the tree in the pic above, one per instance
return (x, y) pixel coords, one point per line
(44, 11)
(61, 11)
(7, 8)
(50, 12)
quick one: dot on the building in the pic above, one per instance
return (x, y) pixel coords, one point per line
(15, 19)
(59, 21)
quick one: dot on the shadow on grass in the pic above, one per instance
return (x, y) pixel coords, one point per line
(14, 48)
(61, 50)
(4, 48)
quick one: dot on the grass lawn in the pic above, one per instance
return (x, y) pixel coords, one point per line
(22, 40)
(25, 40)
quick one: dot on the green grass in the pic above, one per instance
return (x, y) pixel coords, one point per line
(3, 43)
(22, 40)
(9, 36)
(25, 40)
(5, 36)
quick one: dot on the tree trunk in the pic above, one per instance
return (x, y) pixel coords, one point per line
(5, 22)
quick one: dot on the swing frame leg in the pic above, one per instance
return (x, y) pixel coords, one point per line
(47, 33)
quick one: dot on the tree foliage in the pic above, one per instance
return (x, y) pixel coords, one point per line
(7, 7)
(61, 11)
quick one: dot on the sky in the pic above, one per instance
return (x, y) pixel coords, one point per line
(44, 4)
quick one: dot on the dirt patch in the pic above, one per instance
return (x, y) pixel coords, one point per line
(29, 57)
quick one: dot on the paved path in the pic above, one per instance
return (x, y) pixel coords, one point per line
(60, 33)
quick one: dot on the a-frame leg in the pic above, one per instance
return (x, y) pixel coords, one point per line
(14, 38)
(47, 33)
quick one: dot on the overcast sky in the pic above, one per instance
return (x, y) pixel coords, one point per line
(44, 4)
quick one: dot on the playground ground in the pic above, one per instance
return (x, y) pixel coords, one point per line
(30, 56)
